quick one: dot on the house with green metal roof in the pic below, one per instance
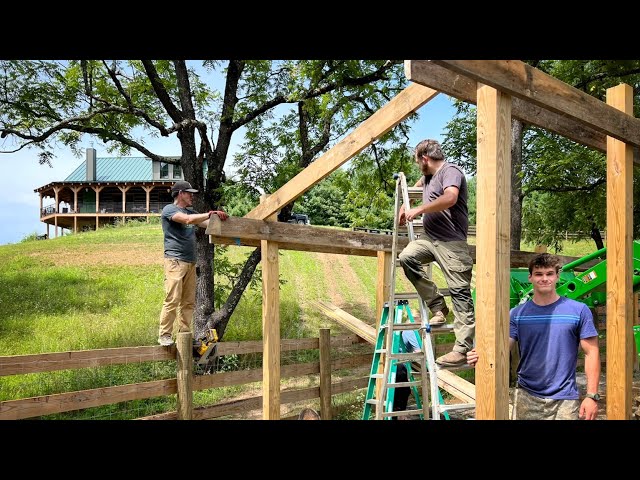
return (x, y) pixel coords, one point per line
(105, 190)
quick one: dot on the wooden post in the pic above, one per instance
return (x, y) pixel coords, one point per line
(270, 327)
(383, 291)
(619, 264)
(383, 283)
(325, 374)
(184, 357)
(493, 264)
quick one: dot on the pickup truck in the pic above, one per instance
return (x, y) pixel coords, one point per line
(299, 218)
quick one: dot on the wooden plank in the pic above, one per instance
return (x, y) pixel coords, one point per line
(492, 268)
(242, 377)
(347, 320)
(325, 373)
(246, 405)
(399, 108)
(457, 386)
(516, 78)
(49, 362)
(328, 240)
(619, 264)
(430, 74)
(66, 402)
(299, 237)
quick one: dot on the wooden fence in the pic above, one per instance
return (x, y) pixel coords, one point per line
(185, 382)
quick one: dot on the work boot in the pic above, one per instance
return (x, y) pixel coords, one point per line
(438, 318)
(165, 340)
(452, 359)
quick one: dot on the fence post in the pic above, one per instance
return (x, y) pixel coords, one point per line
(325, 374)
(184, 357)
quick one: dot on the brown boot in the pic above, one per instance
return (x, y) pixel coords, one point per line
(438, 318)
(452, 359)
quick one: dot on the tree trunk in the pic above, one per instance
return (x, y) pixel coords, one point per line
(516, 183)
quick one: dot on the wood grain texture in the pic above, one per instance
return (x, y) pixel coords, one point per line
(492, 267)
(66, 402)
(184, 357)
(271, 330)
(619, 264)
(325, 373)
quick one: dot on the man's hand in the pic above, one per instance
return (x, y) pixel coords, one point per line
(402, 219)
(221, 215)
(588, 409)
(413, 213)
(472, 357)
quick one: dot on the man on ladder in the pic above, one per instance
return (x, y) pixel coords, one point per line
(445, 218)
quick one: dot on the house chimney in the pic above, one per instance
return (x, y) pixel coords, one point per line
(91, 164)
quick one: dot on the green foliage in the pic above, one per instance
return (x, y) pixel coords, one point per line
(563, 183)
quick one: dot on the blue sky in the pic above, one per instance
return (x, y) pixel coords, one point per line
(19, 204)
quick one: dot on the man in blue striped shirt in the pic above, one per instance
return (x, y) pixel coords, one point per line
(549, 329)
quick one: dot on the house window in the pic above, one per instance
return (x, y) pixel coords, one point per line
(177, 171)
(164, 170)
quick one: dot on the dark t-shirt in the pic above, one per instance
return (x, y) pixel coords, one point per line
(179, 239)
(450, 224)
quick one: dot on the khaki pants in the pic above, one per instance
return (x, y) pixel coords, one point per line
(456, 265)
(180, 296)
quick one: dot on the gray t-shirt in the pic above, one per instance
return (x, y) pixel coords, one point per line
(179, 239)
(450, 224)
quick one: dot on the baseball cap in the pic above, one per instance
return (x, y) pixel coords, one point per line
(183, 186)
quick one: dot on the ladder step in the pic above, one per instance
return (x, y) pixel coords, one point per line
(408, 356)
(406, 295)
(457, 406)
(402, 413)
(415, 383)
(404, 326)
(377, 375)
(381, 350)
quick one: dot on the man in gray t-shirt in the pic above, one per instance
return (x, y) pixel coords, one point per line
(179, 223)
(445, 218)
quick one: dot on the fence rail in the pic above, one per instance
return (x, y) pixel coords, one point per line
(77, 400)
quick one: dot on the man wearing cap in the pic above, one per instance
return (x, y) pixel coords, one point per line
(178, 224)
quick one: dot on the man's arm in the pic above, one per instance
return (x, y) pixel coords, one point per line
(589, 407)
(200, 219)
(447, 200)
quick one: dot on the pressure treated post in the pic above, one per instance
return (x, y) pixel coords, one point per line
(270, 327)
(619, 264)
(325, 374)
(383, 283)
(493, 254)
(184, 357)
(636, 321)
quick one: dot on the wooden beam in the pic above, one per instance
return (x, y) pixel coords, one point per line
(447, 81)
(516, 78)
(619, 264)
(248, 232)
(347, 320)
(399, 108)
(492, 268)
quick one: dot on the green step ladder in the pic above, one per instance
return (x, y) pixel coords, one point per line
(398, 355)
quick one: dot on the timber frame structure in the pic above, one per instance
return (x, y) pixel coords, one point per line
(500, 89)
